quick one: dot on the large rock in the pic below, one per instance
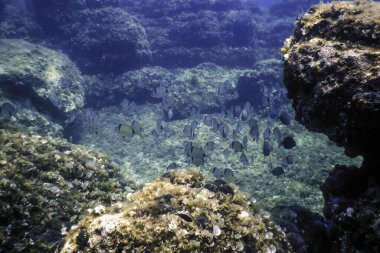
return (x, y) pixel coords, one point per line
(332, 71)
(180, 212)
(100, 36)
(48, 78)
(45, 186)
(188, 33)
(188, 88)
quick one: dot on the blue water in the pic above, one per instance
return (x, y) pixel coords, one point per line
(163, 85)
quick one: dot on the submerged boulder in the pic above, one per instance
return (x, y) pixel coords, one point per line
(45, 186)
(179, 212)
(99, 35)
(49, 79)
(332, 72)
(206, 87)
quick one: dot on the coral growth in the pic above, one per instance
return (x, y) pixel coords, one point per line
(179, 212)
(45, 186)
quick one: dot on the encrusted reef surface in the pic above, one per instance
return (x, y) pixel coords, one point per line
(45, 186)
(118, 43)
(180, 212)
(332, 71)
(43, 75)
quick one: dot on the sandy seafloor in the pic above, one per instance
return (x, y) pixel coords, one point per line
(143, 159)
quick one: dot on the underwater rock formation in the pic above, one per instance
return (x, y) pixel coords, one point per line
(99, 35)
(188, 33)
(332, 72)
(45, 186)
(47, 78)
(179, 212)
(188, 88)
(16, 22)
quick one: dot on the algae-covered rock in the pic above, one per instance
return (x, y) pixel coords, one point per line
(46, 77)
(179, 212)
(206, 87)
(99, 35)
(45, 186)
(332, 71)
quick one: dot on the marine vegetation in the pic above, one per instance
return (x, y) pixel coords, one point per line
(179, 212)
(45, 186)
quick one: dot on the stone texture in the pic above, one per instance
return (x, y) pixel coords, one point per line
(332, 72)
(179, 212)
(45, 186)
(43, 75)
(99, 35)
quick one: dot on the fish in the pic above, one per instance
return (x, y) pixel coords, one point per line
(285, 118)
(224, 129)
(194, 113)
(172, 166)
(278, 171)
(207, 120)
(8, 111)
(266, 101)
(289, 159)
(235, 95)
(159, 92)
(217, 172)
(166, 102)
(236, 110)
(270, 166)
(210, 146)
(273, 111)
(155, 134)
(226, 153)
(170, 113)
(288, 142)
(188, 131)
(160, 127)
(254, 133)
(185, 217)
(126, 130)
(72, 116)
(196, 154)
(266, 148)
(267, 133)
(237, 146)
(248, 107)
(93, 130)
(215, 124)
(244, 159)
(243, 115)
(277, 134)
(137, 128)
(222, 90)
(245, 142)
(253, 123)
(228, 175)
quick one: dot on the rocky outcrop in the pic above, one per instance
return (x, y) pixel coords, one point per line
(332, 72)
(188, 33)
(32, 71)
(99, 35)
(188, 88)
(45, 186)
(332, 66)
(180, 212)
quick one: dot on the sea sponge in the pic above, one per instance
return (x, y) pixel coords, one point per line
(179, 212)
